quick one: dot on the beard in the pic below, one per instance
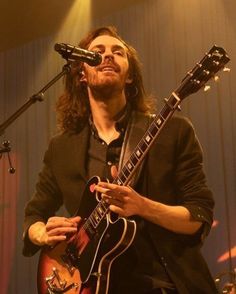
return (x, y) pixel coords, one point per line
(106, 87)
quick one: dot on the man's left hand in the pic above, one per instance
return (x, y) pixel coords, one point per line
(123, 200)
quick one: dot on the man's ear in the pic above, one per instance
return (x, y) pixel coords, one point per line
(82, 76)
(129, 80)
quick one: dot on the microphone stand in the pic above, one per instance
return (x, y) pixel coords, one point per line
(34, 98)
(227, 287)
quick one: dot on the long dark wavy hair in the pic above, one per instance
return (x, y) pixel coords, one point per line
(73, 106)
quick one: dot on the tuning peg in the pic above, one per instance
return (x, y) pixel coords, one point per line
(196, 82)
(207, 88)
(216, 78)
(216, 62)
(206, 72)
(226, 69)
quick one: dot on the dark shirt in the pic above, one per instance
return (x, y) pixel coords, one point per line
(102, 156)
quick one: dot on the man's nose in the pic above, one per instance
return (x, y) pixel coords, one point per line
(108, 55)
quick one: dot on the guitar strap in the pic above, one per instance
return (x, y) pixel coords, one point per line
(136, 128)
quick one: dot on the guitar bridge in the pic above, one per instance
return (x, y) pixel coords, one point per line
(57, 285)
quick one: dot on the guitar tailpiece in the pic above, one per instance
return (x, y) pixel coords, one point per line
(53, 288)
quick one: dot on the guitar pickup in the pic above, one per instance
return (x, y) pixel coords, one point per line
(68, 264)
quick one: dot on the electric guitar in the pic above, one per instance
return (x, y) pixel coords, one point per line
(88, 255)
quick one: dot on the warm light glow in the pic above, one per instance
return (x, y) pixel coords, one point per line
(226, 69)
(207, 88)
(225, 256)
(76, 24)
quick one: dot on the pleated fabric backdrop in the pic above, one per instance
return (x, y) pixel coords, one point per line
(170, 36)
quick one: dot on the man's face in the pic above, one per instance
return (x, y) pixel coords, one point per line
(113, 72)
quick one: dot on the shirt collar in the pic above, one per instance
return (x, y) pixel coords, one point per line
(121, 120)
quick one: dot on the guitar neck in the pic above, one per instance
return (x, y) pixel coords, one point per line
(149, 137)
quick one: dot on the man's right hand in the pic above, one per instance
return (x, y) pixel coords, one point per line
(55, 230)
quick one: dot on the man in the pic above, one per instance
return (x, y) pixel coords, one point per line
(168, 197)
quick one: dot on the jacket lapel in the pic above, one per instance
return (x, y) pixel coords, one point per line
(80, 148)
(135, 130)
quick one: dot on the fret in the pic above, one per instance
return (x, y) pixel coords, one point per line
(143, 146)
(118, 181)
(97, 218)
(173, 102)
(148, 138)
(89, 230)
(133, 159)
(159, 121)
(122, 177)
(138, 152)
(104, 206)
(153, 129)
(165, 112)
(89, 223)
(101, 209)
(125, 171)
(130, 166)
(97, 214)
(93, 221)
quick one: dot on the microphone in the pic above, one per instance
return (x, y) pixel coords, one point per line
(73, 53)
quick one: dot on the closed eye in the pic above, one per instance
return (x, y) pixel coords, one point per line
(118, 52)
(98, 51)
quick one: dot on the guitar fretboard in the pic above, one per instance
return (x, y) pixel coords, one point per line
(95, 217)
(147, 140)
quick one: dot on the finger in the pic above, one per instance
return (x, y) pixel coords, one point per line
(107, 185)
(116, 202)
(55, 239)
(113, 187)
(112, 200)
(76, 220)
(116, 209)
(61, 231)
(113, 195)
(101, 190)
(60, 224)
(54, 219)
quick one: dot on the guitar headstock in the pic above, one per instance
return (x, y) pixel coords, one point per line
(206, 69)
